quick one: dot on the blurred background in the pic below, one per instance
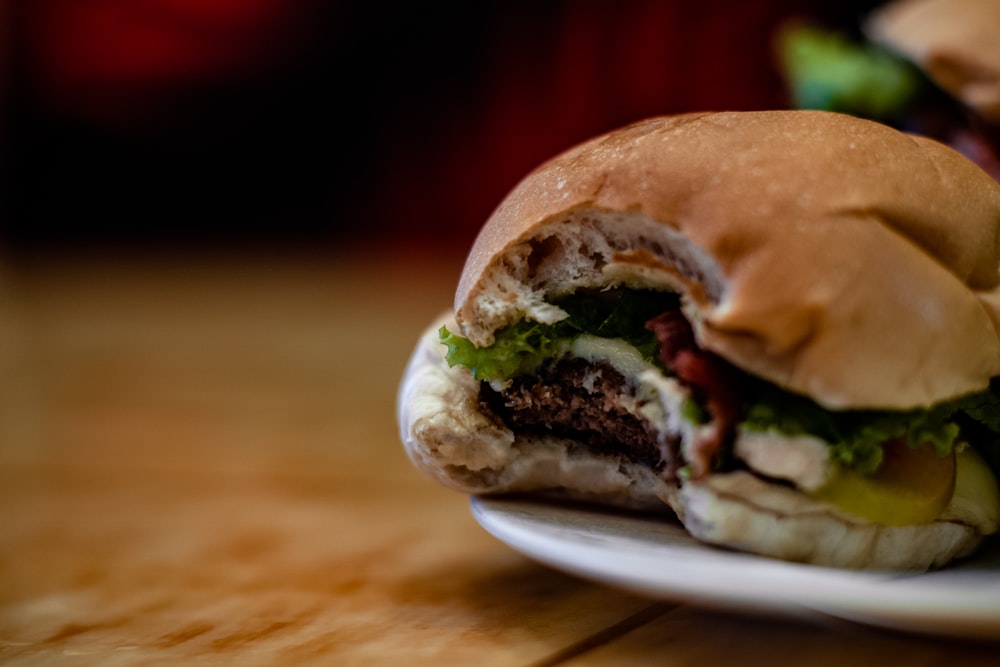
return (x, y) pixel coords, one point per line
(223, 226)
(328, 122)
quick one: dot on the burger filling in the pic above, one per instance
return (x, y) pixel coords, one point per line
(593, 378)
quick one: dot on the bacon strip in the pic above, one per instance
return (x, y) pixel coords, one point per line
(713, 381)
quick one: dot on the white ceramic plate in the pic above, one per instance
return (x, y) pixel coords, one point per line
(655, 557)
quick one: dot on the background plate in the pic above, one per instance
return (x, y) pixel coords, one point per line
(655, 557)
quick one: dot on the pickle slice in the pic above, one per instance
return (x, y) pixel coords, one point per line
(912, 486)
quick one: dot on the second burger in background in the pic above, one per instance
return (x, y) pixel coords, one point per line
(926, 66)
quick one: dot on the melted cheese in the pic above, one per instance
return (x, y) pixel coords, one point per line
(625, 358)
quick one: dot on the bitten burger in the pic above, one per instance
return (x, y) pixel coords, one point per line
(783, 326)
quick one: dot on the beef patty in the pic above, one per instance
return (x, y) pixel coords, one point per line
(582, 401)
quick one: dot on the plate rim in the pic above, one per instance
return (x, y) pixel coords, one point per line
(915, 602)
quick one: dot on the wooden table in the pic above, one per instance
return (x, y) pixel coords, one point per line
(199, 464)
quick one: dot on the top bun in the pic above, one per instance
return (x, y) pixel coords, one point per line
(833, 256)
(956, 42)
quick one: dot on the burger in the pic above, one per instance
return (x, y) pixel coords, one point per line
(782, 327)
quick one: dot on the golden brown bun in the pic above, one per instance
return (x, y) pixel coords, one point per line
(831, 255)
(957, 42)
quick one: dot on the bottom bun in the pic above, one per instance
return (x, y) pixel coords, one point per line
(741, 511)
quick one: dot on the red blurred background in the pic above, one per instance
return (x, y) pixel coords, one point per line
(249, 120)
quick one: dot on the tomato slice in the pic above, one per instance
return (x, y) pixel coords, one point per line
(912, 486)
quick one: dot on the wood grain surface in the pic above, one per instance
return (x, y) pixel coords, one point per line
(199, 465)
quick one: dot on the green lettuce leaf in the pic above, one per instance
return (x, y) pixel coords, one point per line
(856, 436)
(620, 314)
(521, 347)
(518, 349)
(984, 408)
